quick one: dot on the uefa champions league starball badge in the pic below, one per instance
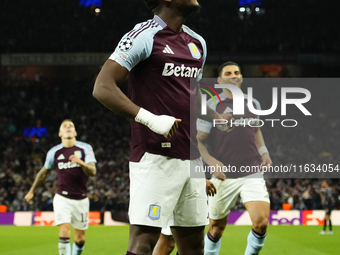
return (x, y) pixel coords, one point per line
(125, 44)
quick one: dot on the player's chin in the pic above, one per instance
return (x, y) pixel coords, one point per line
(192, 8)
(196, 7)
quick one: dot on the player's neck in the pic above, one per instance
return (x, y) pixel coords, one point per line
(68, 143)
(174, 20)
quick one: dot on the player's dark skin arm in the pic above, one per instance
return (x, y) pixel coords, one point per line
(39, 180)
(107, 92)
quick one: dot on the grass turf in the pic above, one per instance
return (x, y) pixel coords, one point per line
(102, 240)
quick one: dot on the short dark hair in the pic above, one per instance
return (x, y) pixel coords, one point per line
(228, 63)
(152, 4)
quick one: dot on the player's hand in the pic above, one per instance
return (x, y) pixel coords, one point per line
(29, 196)
(230, 120)
(75, 159)
(211, 189)
(160, 124)
(225, 127)
(266, 161)
(173, 128)
(219, 170)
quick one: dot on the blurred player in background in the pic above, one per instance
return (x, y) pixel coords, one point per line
(327, 201)
(242, 146)
(166, 242)
(74, 161)
(160, 56)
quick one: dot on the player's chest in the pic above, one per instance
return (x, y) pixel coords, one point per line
(227, 106)
(177, 53)
(62, 158)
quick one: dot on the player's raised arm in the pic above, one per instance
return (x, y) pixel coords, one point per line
(207, 158)
(39, 180)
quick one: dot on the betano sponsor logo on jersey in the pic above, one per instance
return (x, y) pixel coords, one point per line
(182, 70)
(67, 165)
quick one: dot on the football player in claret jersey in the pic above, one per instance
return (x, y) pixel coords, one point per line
(74, 162)
(242, 147)
(161, 55)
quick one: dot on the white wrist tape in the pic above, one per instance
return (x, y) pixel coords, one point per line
(160, 124)
(262, 150)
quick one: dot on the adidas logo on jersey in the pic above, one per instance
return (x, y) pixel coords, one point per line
(167, 49)
(61, 156)
(182, 71)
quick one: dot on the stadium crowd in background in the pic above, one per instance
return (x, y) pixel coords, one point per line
(22, 156)
(75, 28)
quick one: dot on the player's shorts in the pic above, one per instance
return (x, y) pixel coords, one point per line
(166, 231)
(75, 212)
(250, 188)
(163, 194)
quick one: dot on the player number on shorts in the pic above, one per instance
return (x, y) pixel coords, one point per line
(83, 219)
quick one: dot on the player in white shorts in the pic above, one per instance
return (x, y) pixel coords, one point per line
(74, 162)
(160, 57)
(166, 243)
(238, 149)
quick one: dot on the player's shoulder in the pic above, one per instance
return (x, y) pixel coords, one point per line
(145, 29)
(83, 145)
(214, 101)
(192, 33)
(56, 148)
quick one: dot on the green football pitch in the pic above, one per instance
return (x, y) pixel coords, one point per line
(100, 240)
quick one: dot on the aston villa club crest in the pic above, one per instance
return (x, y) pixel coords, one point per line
(194, 51)
(214, 211)
(154, 212)
(78, 154)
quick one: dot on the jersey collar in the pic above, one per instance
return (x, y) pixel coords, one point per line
(160, 21)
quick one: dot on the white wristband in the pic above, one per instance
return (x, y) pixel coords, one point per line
(160, 124)
(262, 150)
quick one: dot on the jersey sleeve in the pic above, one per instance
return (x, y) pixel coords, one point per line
(132, 48)
(49, 162)
(89, 154)
(200, 74)
(203, 125)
